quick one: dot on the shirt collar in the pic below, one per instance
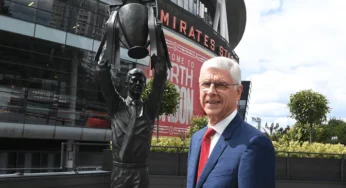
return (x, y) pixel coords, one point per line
(221, 125)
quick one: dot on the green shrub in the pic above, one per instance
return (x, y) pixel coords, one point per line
(170, 145)
(302, 148)
(170, 100)
(197, 123)
(282, 147)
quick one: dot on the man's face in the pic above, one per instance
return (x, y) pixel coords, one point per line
(218, 97)
(136, 84)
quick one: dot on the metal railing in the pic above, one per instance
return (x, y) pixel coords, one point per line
(289, 165)
(312, 163)
(76, 167)
(63, 152)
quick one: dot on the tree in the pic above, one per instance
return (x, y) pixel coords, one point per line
(308, 107)
(170, 101)
(335, 127)
(283, 131)
(280, 133)
(197, 123)
(272, 129)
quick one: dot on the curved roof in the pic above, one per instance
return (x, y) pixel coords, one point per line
(236, 16)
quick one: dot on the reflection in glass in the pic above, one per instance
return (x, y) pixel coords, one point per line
(29, 3)
(47, 83)
(242, 102)
(51, 84)
(46, 5)
(103, 9)
(20, 11)
(4, 8)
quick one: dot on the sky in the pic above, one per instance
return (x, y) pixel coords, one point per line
(293, 45)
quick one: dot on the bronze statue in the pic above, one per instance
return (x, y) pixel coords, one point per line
(132, 119)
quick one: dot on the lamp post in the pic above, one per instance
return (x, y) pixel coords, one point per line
(258, 120)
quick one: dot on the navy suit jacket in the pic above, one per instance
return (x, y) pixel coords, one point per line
(242, 158)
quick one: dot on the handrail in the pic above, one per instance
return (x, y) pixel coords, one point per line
(10, 169)
(62, 155)
(285, 171)
(74, 167)
(312, 153)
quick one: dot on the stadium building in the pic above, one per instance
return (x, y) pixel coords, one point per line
(48, 92)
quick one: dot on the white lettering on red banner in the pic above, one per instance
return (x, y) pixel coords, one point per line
(186, 62)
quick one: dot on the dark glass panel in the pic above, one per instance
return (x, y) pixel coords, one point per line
(90, 5)
(103, 9)
(42, 82)
(5, 8)
(51, 20)
(11, 101)
(100, 21)
(80, 28)
(19, 11)
(98, 33)
(81, 22)
(29, 3)
(46, 5)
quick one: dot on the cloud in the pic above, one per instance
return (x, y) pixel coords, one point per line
(290, 46)
(275, 10)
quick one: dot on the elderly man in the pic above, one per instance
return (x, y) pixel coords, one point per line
(228, 152)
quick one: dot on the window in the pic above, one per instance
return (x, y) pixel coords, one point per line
(29, 3)
(200, 8)
(19, 10)
(242, 102)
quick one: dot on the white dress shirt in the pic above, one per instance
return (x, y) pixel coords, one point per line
(219, 128)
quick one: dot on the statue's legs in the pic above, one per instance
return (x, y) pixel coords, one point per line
(129, 177)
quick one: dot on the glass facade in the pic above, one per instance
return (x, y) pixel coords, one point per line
(42, 82)
(81, 17)
(47, 73)
(200, 8)
(50, 83)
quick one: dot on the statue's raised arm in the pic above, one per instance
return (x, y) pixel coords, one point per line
(160, 61)
(130, 23)
(108, 61)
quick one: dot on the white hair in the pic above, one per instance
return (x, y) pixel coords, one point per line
(227, 64)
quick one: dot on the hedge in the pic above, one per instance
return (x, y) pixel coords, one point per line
(283, 149)
(315, 150)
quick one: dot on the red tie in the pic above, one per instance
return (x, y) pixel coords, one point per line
(203, 157)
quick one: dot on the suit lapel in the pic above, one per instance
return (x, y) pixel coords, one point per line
(228, 132)
(214, 156)
(218, 149)
(195, 155)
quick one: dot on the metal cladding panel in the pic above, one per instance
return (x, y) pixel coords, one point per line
(108, 136)
(38, 131)
(94, 134)
(246, 90)
(11, 130)
(17, 130)
(68, 133)
(192, 27)
(236, 17)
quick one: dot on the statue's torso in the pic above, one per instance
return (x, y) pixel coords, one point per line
(139, 143)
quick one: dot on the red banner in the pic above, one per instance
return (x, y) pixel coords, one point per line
(186, 58)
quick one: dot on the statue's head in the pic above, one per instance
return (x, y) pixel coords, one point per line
(135, 83)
